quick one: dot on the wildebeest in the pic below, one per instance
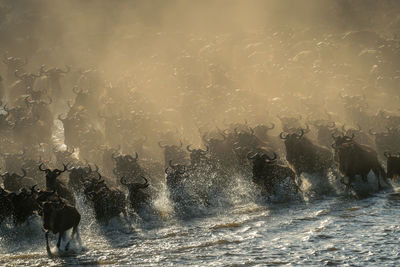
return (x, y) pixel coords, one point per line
(356, 159)
(23, 204)
(14, 181)
(267, 173)
(50, 80)
(324, 131)
(198, 157)
(53, 184)
(13, 64)
(107, 202)
(393, 164)
(388, 140)
(59, 217)
(173, 152)
(126, 165)
(78, 175)
(305, 156)
(6, 206)
(137, 195)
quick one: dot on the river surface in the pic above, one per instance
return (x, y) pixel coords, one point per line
(324, 230)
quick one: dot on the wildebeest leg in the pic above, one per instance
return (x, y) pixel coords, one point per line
(47, 243)
(348, 185)
(74, 232)
(60, 235)
(364, 177)
(377, 173)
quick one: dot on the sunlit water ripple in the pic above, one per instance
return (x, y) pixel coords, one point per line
(332, 230)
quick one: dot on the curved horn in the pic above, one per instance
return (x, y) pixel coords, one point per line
(123, 181)
(371, 132)
(146, 183)
(76, 90)
(281, 135)
(160, 145)
(113, 155)
(248, 156)
(271, 159)
(136, 155)
(172, 165)
(188, 148)
(33, 188)
(65, 168)
(40, 167)
(23, 173)
(59, 117)
(272, 126)
(301, 134)
(66, 71)
(17, 75)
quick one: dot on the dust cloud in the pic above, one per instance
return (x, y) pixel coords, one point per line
(181, 67)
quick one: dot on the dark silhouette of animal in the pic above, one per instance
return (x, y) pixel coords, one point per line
(393, 165)
(137, 195)
(304, 155)
(355, 159)
(58, 217)
(53, 184)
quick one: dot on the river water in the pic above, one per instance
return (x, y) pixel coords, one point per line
(242, 230)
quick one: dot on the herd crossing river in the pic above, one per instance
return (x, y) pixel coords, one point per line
(331, 230)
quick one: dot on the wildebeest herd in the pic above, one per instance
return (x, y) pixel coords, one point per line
(110, 140)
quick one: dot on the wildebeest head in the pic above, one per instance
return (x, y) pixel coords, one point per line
(77, 175)
(197, 156)
(261, 158)
(15, 160)
(63, 155)
(341, 140)
(134, 187)
(27, 78)
(341, 143)
(13, 182)
(291, 138)
(261, 131)
(289, 122)
(51, 175)
(54, 73)
(172, 152)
